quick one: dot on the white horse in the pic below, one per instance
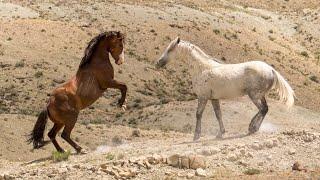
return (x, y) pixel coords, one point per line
(213, 81)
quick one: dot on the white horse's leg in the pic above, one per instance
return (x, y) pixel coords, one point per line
(216, 107)
(256, 121)
(201, 105)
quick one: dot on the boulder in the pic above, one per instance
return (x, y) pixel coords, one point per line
(201, 172)
(185, 162)
(173, 160)
(197, 161)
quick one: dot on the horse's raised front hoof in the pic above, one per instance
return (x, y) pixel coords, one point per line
(124, 107)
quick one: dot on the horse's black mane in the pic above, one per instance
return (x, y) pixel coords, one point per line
(93, 45)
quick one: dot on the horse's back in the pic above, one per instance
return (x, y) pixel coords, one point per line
(233, 80)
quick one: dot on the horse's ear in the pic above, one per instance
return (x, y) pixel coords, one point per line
(178, 40)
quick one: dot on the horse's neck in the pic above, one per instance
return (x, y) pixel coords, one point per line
(200, 61)
(99, 61)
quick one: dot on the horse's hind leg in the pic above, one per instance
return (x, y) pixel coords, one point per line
(216, 107)
(201, 105)
(52, 135)
(67, 132)
(258, 118)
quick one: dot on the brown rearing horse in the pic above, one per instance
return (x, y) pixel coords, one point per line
(94, 76)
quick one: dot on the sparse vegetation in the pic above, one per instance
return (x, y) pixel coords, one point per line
(158, 100)
(252, 171)
(216, 31)
(314, 78)
(304, 53)
(60, 156)
(38, 74)
(19, 64)
(110, 156)
(117, 140)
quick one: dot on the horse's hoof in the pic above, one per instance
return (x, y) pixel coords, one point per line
(196, 138)
(124, 107)
(252, 132)
(219, 136)
(61, 150)
(82, 152)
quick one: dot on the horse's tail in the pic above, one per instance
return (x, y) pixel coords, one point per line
(285, 91)
(36, 135)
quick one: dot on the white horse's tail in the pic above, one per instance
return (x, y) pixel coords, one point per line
(284, 89)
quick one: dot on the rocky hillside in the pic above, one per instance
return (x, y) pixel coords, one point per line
(42, 43)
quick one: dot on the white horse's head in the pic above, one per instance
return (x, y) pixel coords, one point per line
(164, 59)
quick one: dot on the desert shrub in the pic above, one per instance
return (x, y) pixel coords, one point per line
(252, 171)
(110, 156)
(117, 140)
(60, 156)
(304, 53)
(19, 64)
(38, 74)
(216, 31)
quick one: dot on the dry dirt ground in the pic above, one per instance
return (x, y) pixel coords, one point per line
(41, 44)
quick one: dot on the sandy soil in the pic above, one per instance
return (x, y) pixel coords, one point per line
(36, 57)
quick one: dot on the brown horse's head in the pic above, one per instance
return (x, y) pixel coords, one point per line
(116, 47)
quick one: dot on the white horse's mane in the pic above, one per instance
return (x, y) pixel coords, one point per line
(201, 59)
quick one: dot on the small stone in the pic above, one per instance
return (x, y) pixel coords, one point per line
(243, 151)
(201, 172)
(292, 151)
(189, 176)
(58, 81)
(148, 166)
(214, 150)
(110, 171)
(232, 157)
(275, 142)
(297, 167)
(256, 146)
(243, 163)
(249, 154)
(206, 152)
(269, 143)
(169, 173)
(136, 133)
(127, 174)
(269, 158)
(76, 166)
(152, 160)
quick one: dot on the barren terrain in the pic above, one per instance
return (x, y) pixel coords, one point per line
(41, 44)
